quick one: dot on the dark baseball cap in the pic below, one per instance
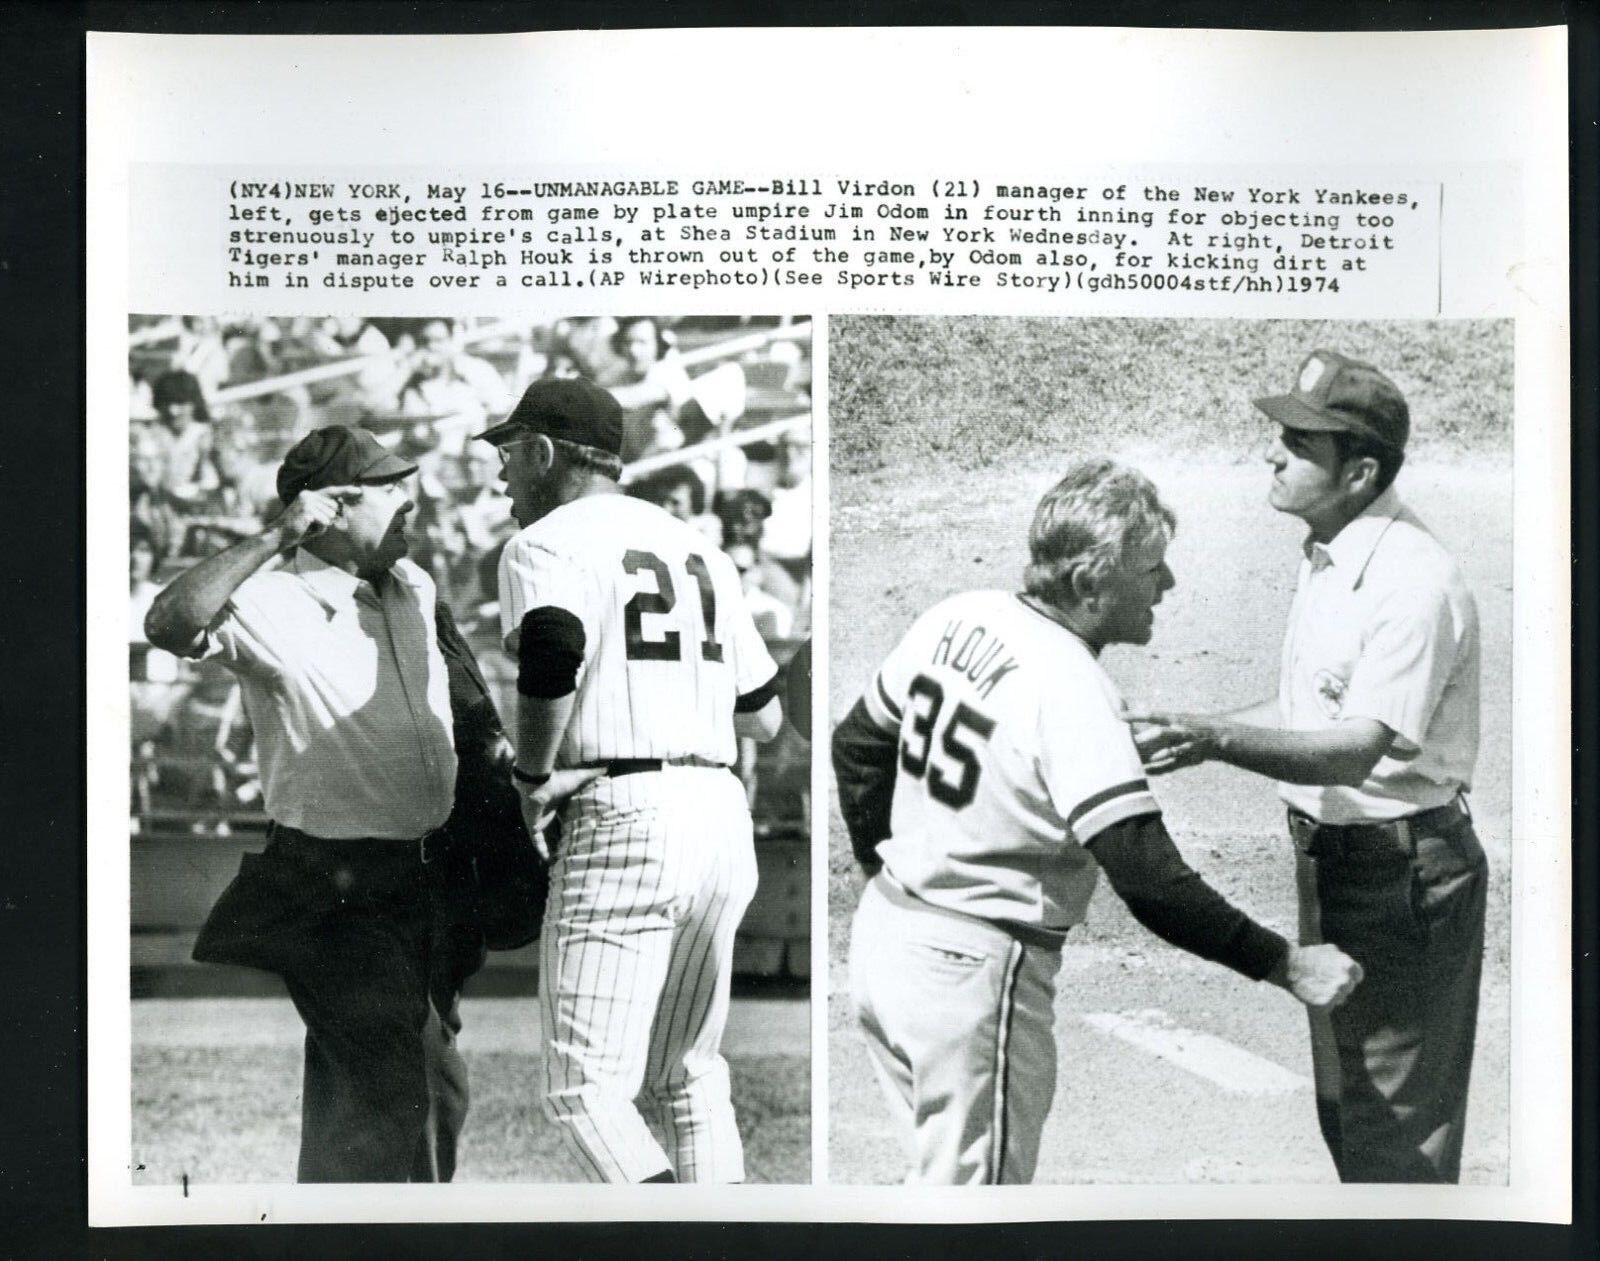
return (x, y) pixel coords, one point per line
(338, 455)
(570, 408)
(1335, 393)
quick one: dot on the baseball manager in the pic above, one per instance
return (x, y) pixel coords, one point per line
(638, 662)
(986, 776)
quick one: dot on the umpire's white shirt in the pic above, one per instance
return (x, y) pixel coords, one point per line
(669, 640)
(1384, 627)
(347, 694)
(1013, 756)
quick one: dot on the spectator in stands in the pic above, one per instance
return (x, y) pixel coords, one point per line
(347, 336)
(442, 549)
(562, 363)
(240, 502)
(680, 492)
(139, 405)
(154, 686)
(651, 387)
(201, 354)
(150, 507)
(787, 535)
(142, 589)
(587, 344)
(457, 391)
(484, 509)
(674, 489)
(377, 385)
(184, 429)
(744, 515)
(773, 618)
(252, 346)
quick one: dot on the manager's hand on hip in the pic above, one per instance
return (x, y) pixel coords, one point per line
(1321, 976)
(539, 804)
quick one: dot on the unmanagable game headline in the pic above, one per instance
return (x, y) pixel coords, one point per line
(1189, 246)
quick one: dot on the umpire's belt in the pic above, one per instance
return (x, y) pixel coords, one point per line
(1350, 840)
(634, 765)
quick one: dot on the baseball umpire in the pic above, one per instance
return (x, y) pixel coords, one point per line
(985, 777)
(336, 642)
(637, 663)
(1373, 739)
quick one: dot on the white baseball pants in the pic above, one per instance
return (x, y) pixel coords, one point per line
(655, 872)
(958, 1016)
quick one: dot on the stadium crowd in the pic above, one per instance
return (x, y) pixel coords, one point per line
(214, 404)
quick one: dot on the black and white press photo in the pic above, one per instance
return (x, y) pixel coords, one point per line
(1170, 675)
(469, 802)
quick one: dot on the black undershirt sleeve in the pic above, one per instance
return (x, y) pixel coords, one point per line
(549, 653)
(754, 702)
(865, 758)
(1175, 903)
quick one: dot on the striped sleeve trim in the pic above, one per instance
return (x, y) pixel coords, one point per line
(881, 707)
(1112, 805)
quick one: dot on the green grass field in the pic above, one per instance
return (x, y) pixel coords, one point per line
(910, 396)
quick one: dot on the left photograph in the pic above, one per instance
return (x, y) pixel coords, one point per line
(469, 792)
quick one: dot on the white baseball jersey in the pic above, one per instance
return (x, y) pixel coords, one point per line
(1013, 755)
(670, 643)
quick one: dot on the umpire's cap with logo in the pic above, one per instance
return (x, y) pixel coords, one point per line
(1335, 393)
(338, 455)
(569, 408)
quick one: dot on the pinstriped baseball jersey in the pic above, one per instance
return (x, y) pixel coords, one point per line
(1013, 755)
(670, 644)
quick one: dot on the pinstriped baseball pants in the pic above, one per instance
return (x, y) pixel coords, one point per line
(655, 872)
(959, 1019)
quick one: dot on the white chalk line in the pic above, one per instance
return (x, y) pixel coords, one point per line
(1217, 1060)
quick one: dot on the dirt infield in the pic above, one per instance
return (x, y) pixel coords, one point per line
(217, 1090)
(899, 544)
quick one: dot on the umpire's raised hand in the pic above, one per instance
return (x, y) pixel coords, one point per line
(311, 512)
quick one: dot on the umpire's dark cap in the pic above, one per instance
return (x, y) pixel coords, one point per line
(1335, 393)
(338, 455)
(570, 408)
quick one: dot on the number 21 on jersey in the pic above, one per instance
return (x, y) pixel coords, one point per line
(944, 756)
(668, 646)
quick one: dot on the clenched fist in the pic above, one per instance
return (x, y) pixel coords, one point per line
(1321, 976)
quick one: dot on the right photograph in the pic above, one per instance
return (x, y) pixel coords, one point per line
(1170, 693)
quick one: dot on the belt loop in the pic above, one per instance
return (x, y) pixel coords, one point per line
(1402, 831)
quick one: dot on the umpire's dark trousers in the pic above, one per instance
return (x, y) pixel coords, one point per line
(352, 928)
(1405, 900)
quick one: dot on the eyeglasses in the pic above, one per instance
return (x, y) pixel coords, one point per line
(503, 449)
